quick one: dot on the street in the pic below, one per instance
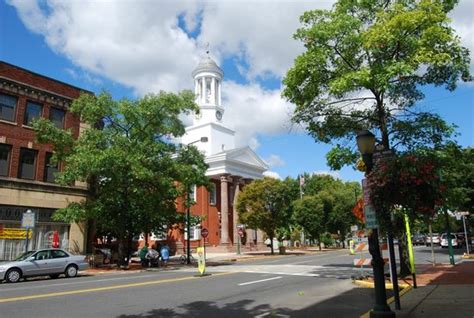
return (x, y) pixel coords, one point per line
(291, 286)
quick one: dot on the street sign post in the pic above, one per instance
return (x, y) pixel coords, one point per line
(370, 217)
(201, 260)
(28, 221)
(204, 234)
(466, 239)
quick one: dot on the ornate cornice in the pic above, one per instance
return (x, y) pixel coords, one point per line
(34, 92)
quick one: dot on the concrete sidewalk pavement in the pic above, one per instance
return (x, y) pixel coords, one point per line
(443, 291)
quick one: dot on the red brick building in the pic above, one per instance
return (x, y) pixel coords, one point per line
(26, 174)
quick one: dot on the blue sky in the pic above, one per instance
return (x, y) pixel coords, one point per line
(56, 42)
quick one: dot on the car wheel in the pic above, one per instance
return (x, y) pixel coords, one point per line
(71, 271)
(13, 275)
(54, 276)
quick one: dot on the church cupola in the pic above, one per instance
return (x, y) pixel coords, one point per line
(208, 123)
(207, 87)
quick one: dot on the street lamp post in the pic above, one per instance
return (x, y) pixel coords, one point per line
(366, 144)
(188, 210)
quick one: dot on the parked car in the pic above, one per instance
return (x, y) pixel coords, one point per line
(45, 262)
(418, 239)
(436, 239)
(454, 241)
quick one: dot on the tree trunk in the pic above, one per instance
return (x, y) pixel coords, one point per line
(319, 243)
(403, 255)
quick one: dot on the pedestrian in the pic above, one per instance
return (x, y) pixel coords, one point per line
(165, 254)
(143, 253)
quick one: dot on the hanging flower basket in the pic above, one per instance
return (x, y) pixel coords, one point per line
(409, 181)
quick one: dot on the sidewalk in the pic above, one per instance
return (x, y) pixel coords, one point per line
(443, 291)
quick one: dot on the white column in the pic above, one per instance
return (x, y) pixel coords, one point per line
(196, 90)
(213, 91)
(203, 90)
(219, 101)
(235, 215)
(224, 210)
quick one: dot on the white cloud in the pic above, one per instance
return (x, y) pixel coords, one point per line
(275, 161)
(272, 174)
(463, 23)
(250, 109)
(141, 44)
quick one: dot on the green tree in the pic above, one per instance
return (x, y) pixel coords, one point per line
(309, 214)
(363, 68)
(341, 198)
(135, 171)
(265, 204)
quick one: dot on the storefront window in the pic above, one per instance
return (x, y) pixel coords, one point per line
(42, 235)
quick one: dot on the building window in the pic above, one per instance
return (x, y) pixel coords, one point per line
(50, 169)
(193, 193)
(195, 233)
(33, 111)
(4, 159)
(213, 194)
(57, 117)
(7, 107)
(27, 167)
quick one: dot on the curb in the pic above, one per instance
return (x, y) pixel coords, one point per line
(366, 284)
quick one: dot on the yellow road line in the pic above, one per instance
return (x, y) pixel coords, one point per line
(98, 289)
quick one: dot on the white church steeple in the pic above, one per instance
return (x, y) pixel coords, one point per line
(207, 87)
(208, 78)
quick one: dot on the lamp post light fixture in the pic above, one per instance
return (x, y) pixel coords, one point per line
(188, 210)
(366, 145)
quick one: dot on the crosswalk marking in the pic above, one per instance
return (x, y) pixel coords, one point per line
(339, 272)
(260, 281)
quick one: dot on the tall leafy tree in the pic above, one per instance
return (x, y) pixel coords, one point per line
(266, 204)
(364, 66)
(309, 214)
(135, 171)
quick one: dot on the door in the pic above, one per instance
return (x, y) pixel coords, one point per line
(42, 264)
(59, 261)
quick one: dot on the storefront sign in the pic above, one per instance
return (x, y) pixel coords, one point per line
(14, 234)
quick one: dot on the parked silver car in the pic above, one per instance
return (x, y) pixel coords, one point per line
(46, 262)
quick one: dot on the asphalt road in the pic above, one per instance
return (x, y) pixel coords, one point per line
(293, 286)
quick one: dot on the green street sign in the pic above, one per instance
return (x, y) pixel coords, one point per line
(370, 217)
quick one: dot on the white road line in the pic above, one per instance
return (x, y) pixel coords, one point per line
(259, 281)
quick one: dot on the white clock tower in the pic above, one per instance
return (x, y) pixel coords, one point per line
(208, 123)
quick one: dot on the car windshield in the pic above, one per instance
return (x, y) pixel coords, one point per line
(445, 236)
(24, 256)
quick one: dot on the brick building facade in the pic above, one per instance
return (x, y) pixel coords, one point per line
(26, 175)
